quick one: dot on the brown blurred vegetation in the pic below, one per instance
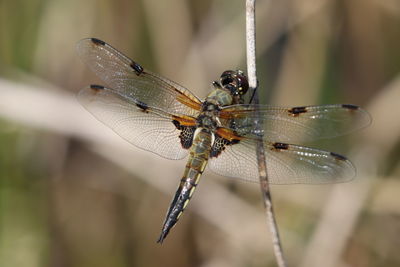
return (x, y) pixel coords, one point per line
(73, 194)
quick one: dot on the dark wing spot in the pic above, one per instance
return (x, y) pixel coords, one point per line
(177, 124)
(350, 106)
(280, 146)
(186, 135)
(338, 156)
(97, 41)
(220, 144)
(96, 87)
(137, 68)
(234, 141)
(297, 110)
(143, 106)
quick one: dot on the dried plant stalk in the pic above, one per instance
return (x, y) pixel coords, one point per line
(262, 168)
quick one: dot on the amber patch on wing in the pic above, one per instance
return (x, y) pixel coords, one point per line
(182, 98)
(185, 120)
(228, 134)
(234, 113)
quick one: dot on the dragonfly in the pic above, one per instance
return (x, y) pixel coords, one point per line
(163, 117)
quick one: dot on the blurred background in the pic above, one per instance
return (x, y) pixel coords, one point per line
(73, 194)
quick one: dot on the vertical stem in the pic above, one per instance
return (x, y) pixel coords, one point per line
(262, 168)
(251, 43)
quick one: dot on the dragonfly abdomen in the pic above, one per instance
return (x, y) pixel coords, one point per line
(199, 153)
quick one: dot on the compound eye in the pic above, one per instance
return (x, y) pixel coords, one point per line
(243, 84)
(235, 81)
(227, 77)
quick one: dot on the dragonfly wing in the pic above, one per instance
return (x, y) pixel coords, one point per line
(297, 124)
(286, 163)
(148, 128)
(133, 81)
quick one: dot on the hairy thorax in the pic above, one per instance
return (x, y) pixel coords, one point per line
(208, 118)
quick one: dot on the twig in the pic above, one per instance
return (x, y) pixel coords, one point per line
(262, 168)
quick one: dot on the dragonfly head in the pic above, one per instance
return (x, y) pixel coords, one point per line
(235, 81)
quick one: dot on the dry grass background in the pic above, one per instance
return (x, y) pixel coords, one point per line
(73, 194)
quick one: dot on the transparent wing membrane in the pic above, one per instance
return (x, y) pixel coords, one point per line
(146, 128)
(131, 80)
(295, 125)
(286, 164)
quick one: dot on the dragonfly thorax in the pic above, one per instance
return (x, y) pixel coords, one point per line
(208, 117)
(210, 106)
(219, 97)
(207, 121)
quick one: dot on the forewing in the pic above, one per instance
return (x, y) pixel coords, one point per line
(131, 80)
(297, 124)
(148, 128)
(286, 163)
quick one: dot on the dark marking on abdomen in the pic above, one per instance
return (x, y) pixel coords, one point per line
(97, 41)
(184, 179)
(338, 156)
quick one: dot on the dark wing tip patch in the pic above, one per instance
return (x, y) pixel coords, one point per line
(280, 146)
(297, 110)
(143, 106)
(136, 67)
(96, 87)
(350, 106)
(338, 156)
(97, 41)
